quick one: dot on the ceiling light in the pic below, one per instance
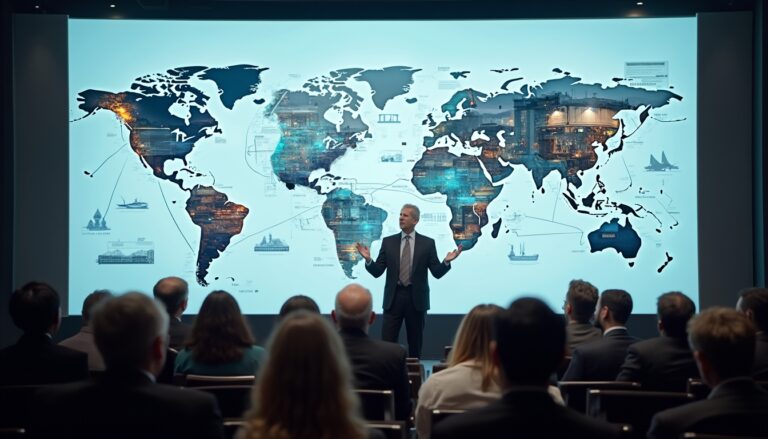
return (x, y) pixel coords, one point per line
(639, 3)
(112, 5)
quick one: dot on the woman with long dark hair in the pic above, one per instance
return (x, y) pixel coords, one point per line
(220, 342)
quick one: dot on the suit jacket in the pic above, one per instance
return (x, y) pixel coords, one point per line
(35, 359)
(760, 369)
(177, 332)
(379, 365)
(734, 397)
(424, 257)
(83, 342)
(578, 333)
(660, 363)
(124, 404)
(526, 413)
(600, 359)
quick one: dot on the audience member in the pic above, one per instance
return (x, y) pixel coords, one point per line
(530, 343)
(304, 390)
(472, 377)
(298, 302)
(723, 344)
(600, 359)
(664, 363)
(35, 359)
(580, 301)
(83, 340)
(220, 342)
(377, 365)
(754, 303)
(131, 334)
(173, 292)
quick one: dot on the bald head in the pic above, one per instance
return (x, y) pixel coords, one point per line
(353, 309)
(172, 292)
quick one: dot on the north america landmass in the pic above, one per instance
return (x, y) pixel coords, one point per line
(535, 126)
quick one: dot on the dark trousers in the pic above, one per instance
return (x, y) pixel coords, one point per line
(402, 309)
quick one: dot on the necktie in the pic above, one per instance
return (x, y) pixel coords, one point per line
(405, 263)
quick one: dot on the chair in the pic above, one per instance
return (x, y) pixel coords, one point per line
(231, 426)
(414, 378)
(192, 380)
(377, 405)
(391, 429)
(447, 351)
(575, 392)
(438, 415)
(12, 433)
(715, 436)
(697, 388)
(15, 405)
(233, 400)
(632, 407)
(437, 367)
(415, 368)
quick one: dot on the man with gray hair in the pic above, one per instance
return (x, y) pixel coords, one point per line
(406, 257)
(131, 334)
(378, 365)
(173, 293)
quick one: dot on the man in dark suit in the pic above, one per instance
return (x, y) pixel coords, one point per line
(131, 333)
(377, 365)
(173, 292)
(600, 359)
(35, 359)
(83, 340)
(664, 363)
(530, 343)
(723, 344)
(406, 257)
(753, 302)
(580, 301)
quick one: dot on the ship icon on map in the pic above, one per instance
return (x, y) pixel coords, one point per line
(657, 166)
(135, 205)
(522, 257)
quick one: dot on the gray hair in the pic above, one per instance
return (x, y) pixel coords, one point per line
(347, 318)
(124, 328)
(414, 209)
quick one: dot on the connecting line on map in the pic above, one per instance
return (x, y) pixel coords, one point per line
(384, 188)
(245, 157)
(580, 232)
(629, 174)
(386, 185)
(107, 159)
(559, 190)
(109, 206)
(665, 210)
(277, 103)
(274, 225)
(159, 186)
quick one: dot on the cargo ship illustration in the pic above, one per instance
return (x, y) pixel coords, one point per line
(522, 257)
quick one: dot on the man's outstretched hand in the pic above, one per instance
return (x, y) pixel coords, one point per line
(364, 251)
(450, 256)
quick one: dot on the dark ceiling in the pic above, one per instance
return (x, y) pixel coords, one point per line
(375, 9)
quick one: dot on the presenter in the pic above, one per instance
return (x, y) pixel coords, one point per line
(405, 257)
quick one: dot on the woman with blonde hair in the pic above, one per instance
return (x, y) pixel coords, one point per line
(472, 378)
(304, 390)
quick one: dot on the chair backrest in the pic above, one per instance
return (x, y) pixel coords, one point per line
(233, 400)
(715, 436)
(416, 368)
(697, 388)
(437, 367)
(377, 405)
(231, 427)
(438, 415)
(15, 405)
(415, 380)
(743, 423)
(575, 392)
(633, 407)
(446, 352)
(192, 380)
(391, 429)
(12, 433)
